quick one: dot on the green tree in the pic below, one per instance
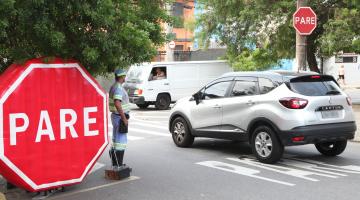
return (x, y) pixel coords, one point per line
(259, 33)
(101, 34)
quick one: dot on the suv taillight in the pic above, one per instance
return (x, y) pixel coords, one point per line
(348, 99)
(294, 102)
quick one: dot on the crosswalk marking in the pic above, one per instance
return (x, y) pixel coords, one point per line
(279, 169)
(132, 138)
(96, 167)
(295, 167)
(151, 117)
(149, 132)
(146, 121)
(150, 125)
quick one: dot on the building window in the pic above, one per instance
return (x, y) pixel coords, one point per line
(178, 9)
(179, 47)
(346, 59)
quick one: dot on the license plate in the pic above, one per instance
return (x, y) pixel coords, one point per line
(330, 114)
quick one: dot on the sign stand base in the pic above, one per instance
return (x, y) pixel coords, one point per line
(118, 173)
(48, 193)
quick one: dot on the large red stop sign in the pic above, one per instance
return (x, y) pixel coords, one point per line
(53, 123)
(304, 20)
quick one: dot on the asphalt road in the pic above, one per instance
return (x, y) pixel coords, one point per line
(214, 169)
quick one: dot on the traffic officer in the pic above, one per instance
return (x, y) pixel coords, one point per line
(119, 107)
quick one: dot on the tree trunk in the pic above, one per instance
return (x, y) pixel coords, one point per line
(311, 57)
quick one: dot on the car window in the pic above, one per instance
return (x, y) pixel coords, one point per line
(265, 85)
(244, 88)
(314, 86)
(217, 90)
(158, 73)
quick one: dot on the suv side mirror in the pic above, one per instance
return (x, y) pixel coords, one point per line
(197, 97)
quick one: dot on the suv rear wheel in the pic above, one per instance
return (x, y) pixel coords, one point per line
(181, 133)
(331, 148)
(265, 145)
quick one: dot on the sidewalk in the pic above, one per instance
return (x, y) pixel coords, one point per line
(357, 117)
(345, 87)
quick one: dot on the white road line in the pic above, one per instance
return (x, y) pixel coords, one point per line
(279, 169)
(312, 167)
(131, 178)
(352, 169)
(146, 121)
(240, 170)
(96, 167)
(149, 132)
(132, 138)
(149, 125)
(151, 117)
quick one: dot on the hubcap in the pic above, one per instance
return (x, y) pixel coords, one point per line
(179, 131)
(163, 101)
(263, 144)
(328, 145)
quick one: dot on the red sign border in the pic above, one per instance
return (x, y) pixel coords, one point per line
(294, 20)
(29, 66)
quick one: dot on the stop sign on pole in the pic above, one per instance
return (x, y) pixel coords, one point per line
(304, 20)
(53, 123)
(172, 44)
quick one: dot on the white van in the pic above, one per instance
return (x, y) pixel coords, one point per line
(161, 83)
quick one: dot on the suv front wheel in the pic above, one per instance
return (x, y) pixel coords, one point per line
(181, 133)
(265, 145)
(331, 148)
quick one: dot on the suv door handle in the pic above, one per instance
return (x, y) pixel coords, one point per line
(217, 106)
(166, 84)
(250, 103)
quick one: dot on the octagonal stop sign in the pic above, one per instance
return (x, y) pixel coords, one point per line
(304, 20)
(53, 123)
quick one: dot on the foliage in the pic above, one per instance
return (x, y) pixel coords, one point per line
(259, 33)
(101, 34)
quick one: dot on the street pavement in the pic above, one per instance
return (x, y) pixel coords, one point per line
(213, 169)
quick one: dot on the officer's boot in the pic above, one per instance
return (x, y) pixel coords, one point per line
(113, 157)
(120, 157)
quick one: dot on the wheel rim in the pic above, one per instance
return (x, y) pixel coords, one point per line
(179, 131)
(163, 102)
(263, 144)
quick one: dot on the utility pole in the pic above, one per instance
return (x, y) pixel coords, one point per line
(169, 52)
(301, 43)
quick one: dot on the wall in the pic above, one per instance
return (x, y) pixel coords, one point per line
(352, 70)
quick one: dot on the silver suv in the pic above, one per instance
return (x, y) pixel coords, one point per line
(270, 110)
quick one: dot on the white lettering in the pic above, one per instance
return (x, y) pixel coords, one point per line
(67, 124)
(88, 121)
(44, 117)
(305, 20)
(313, 21)
(15, 129)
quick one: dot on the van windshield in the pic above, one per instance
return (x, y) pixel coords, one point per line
(135, 73)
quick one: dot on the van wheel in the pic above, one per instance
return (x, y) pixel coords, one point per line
(162, 101)
(143, 106)
(265, 145)
(181, 133)
(331, 148)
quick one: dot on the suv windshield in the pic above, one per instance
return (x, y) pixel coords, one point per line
(314, 85)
